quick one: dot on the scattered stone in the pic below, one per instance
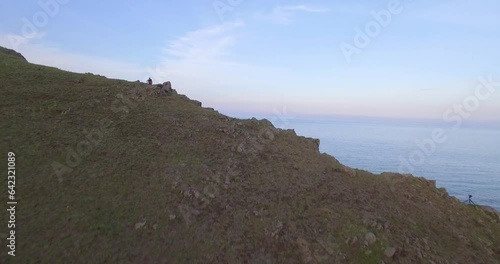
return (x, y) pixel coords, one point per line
(303, 245)
(350, 171)
(368, 252)
(370, 238)
(367, 222)
(69, 110)
(354, 241)
(480, 223)
(277, 229)
(140, 224)
(155, 226)
(419, 254)
(240, 148)
(320, 258)
(389, 252)
(328, 247)
(172, 216)
(187, 193)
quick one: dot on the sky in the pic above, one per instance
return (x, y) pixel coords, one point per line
(389, 58)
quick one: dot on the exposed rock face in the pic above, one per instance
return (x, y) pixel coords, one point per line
(167, 86)
(13, 53)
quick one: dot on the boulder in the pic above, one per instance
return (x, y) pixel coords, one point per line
(389, 252)
(370, 238)
(167, 86)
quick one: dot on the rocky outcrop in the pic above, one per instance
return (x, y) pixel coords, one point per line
(198, 103)
(167, 86)
(13, 53)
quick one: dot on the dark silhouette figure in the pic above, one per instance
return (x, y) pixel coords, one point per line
(469, 201)
(150, 82)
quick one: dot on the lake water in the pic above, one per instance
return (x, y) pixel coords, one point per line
(463, 160)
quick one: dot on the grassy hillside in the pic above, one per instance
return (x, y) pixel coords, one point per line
(109, 172)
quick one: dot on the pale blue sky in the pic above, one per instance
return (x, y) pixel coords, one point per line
(260, 57)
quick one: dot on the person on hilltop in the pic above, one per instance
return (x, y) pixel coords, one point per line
(150, 82)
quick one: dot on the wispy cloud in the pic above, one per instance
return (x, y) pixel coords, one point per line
(283, 15)
(200, 62)
(196, 53)
(205, 43)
